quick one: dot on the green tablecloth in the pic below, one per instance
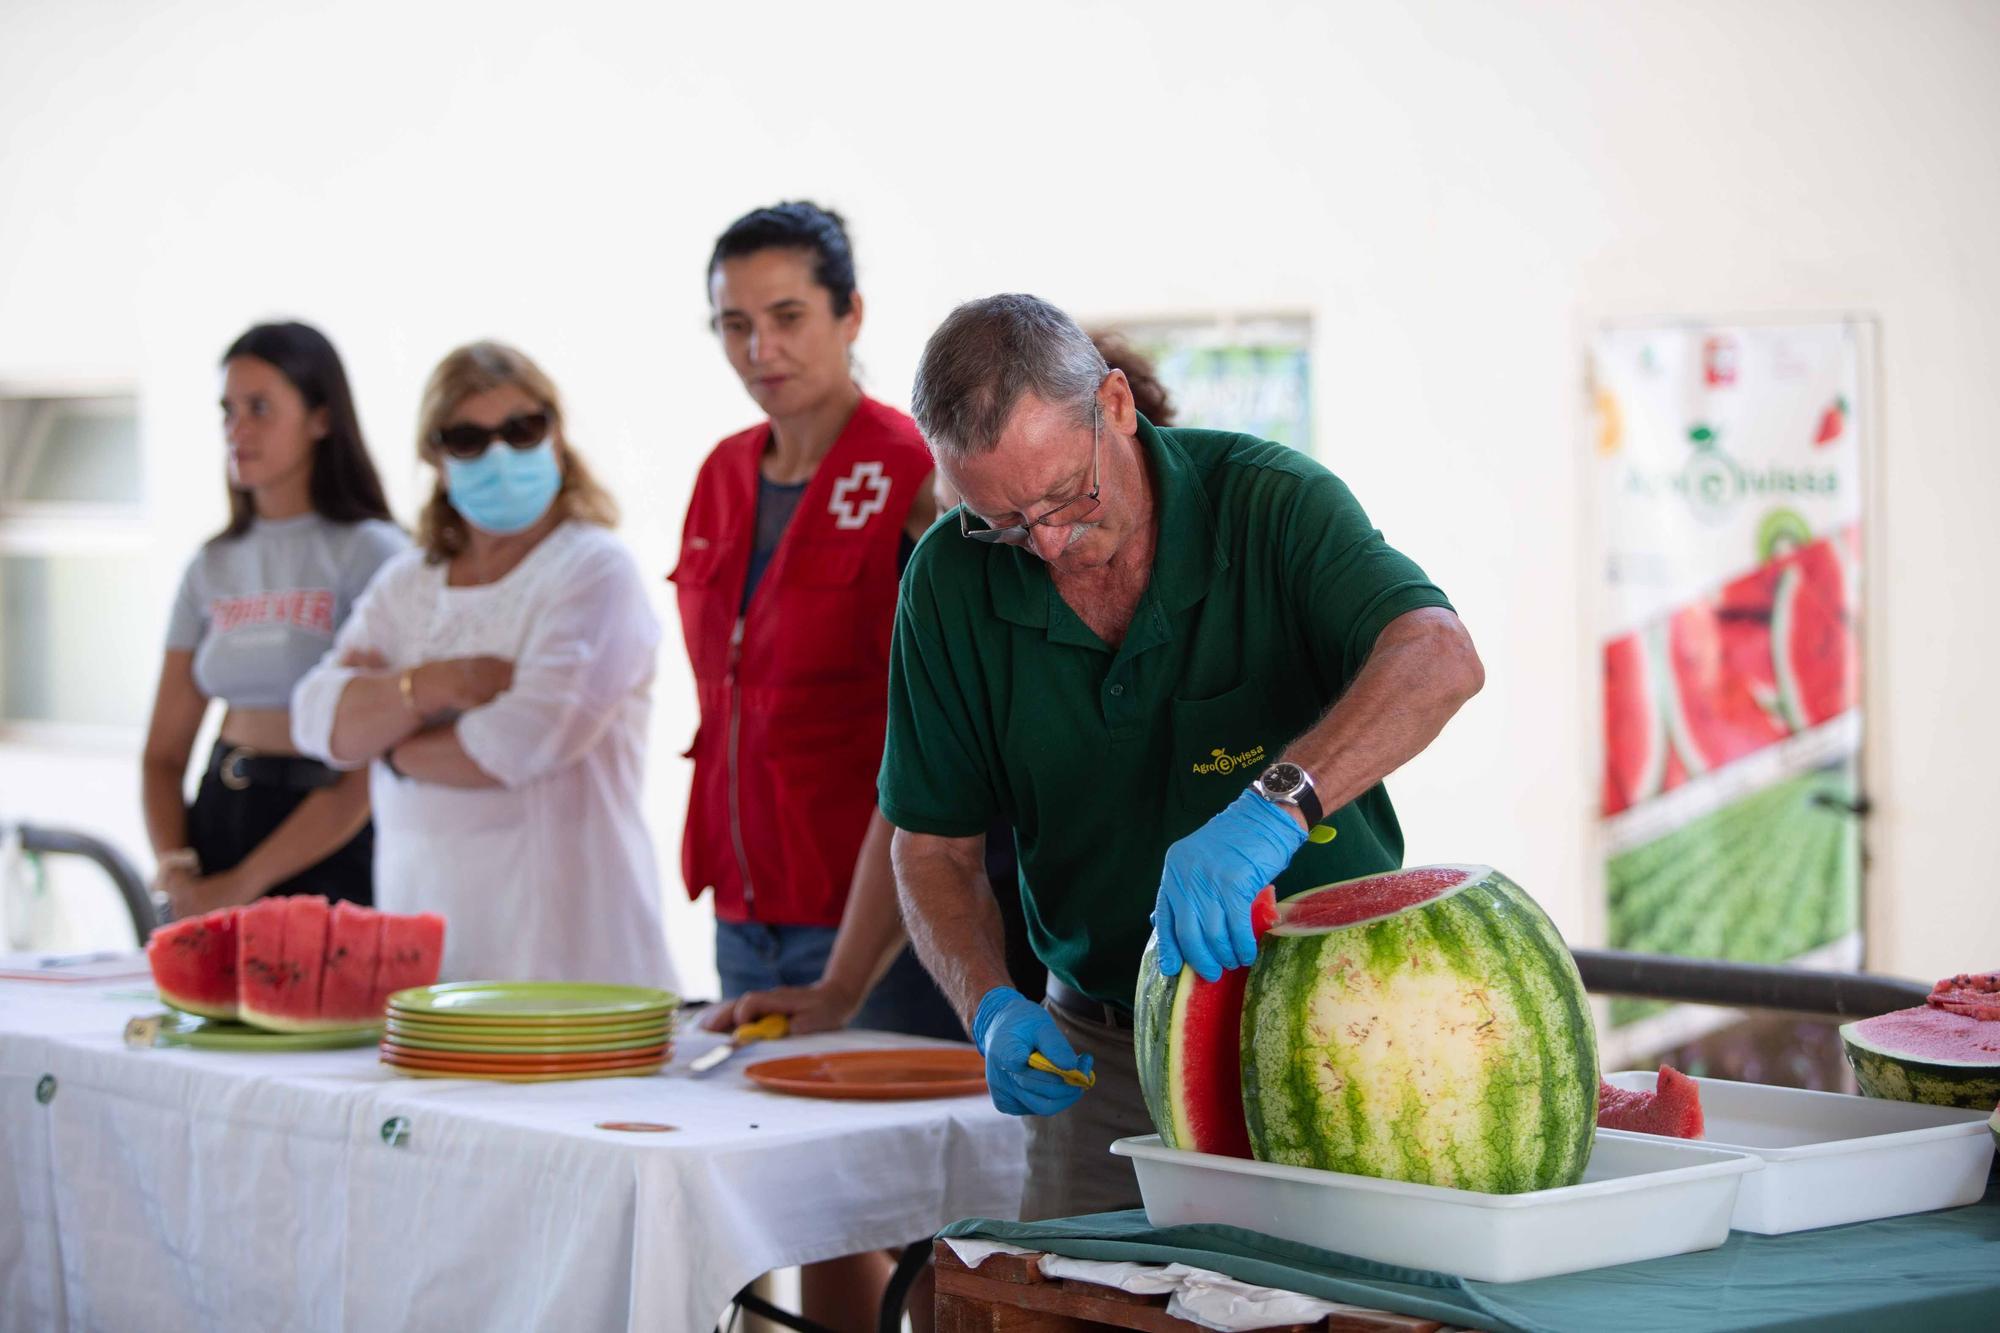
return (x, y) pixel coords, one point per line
(1932, 1271)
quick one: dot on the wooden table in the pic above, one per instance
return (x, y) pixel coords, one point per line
(1008, 1294)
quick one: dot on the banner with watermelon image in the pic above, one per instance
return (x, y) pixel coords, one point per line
(1729, 464)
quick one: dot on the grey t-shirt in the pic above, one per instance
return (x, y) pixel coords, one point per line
(258, 611)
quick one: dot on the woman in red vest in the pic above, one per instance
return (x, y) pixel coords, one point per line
(795, 540)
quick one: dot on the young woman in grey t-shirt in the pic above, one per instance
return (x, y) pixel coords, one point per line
(258, 606)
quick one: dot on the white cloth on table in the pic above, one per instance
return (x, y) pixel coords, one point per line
(550, 876)
(174, 1189)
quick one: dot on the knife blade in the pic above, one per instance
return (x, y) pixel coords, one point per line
(767, 1028)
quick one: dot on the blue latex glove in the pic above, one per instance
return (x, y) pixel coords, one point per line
(1007, 1028)
(1211, 877)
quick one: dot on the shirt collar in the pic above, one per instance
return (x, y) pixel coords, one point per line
(1184, 563)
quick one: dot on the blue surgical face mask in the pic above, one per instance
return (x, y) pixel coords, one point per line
(505, 490)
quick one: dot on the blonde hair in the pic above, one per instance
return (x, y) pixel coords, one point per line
(476, 368)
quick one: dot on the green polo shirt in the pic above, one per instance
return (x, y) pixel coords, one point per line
(1269, 587)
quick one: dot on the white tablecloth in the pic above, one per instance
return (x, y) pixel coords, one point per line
(172, 1189)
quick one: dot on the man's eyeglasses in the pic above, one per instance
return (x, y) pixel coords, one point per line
(524, 430)
(1064, 514)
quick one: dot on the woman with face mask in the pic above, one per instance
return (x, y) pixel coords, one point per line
(258, 605)
(498, 679)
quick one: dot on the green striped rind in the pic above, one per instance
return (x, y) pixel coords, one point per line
(1903, 1078)
(1153, 1026)
(1448, 1044)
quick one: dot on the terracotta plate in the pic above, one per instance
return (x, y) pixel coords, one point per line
(519, 1064)
(883, 1075)
(633, 1071)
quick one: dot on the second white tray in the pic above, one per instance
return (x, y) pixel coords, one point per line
(1642, 1197)
(1830, 1158)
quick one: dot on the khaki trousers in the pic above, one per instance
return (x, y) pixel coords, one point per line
(1070, 1166)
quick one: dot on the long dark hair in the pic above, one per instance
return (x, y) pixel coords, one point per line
(344, 485)
(795, 225)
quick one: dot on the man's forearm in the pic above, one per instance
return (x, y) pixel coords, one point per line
(437, 756)
(949, 912)
(1421, 671)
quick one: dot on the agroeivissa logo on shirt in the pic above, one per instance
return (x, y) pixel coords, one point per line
(1222, 761)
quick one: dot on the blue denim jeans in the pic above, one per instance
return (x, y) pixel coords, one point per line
(753, 956)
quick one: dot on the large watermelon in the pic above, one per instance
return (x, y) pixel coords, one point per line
(1425, 1025)
(1926, 1054)
(1187, 1032)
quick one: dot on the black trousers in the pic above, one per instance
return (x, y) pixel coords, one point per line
(226, 824)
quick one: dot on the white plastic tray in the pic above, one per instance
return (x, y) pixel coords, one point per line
(1830, 1158)
(1641, 1197)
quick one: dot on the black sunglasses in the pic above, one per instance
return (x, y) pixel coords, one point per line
(524, 430)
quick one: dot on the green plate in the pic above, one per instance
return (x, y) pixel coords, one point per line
(551, 1047)
(530, 1001)
(222, 1034)
(556, 1032)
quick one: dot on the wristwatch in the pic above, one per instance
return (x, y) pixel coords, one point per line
(1288, 784)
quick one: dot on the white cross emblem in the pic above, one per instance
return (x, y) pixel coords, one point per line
(865, 477)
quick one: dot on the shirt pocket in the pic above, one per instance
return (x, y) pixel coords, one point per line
(1220, 744)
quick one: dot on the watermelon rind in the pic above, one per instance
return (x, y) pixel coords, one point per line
(1447, 1043)
(1903, 1077)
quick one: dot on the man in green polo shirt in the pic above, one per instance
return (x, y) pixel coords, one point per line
(1112, 644)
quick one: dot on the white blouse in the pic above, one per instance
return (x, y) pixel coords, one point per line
(551, 875)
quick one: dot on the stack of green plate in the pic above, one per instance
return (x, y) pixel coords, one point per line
(528, 1031)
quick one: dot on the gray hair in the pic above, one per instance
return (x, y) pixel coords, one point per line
(986, 355)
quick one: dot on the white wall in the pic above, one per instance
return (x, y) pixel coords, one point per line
(1456, 190)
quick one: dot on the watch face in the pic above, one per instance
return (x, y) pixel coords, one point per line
(1283, 779)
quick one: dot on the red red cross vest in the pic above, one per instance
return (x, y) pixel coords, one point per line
(794, 693)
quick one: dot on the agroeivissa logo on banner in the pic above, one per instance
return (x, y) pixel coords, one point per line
(1713, 483)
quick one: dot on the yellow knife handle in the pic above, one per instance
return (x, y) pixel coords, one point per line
(768, 1028)
(1076, 1078)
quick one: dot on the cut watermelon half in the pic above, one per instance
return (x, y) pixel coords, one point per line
(1189, 1039)
(1672, 1108)
(194, 964)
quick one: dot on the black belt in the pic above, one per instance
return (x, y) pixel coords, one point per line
(1073, 1001)
(237, 767)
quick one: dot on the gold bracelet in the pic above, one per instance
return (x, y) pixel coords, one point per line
(408, 682)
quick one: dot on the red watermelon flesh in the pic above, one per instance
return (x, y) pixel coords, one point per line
(1976, 995)
(1672, 1108)
(194, 963)
(1635, 739)
(282, 978)
(347, 981)
(1382, 895)
(409, 952)
(260, 958)
(1209, 1016)
(1816, 654)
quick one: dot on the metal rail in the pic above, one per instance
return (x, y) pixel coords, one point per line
(1744, 985)
(46, 841)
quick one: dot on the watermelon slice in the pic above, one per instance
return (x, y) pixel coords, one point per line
(1672, 1108)
(347, 980)
(194, 963)
(1976, 995)
(408, 953)
(283, 953)
(1724, 697)
(1190, 1042)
